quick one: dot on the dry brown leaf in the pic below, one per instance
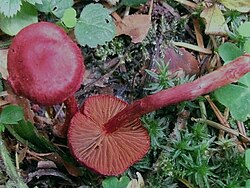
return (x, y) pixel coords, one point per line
(3, 63)
(136, 26)
(46, 164)
(181, 61)
(198, 33)
(239, 5)
(215, 21)
(72, 170)
(38, 174)
(136, 183)
(187, 3)
(112, 2)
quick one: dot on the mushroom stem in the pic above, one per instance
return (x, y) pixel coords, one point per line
(71, 110)
(224, 75)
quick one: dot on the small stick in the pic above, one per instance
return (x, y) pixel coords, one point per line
(222, 127)
(193, 47)
(71, 109)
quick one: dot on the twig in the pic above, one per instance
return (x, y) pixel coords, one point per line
(193, 47)
(187, 3)
(151, 7)
(203, 109)
(217, 112)
(198, 35)
(221, 127)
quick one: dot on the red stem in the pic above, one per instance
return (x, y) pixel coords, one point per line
(188, 91)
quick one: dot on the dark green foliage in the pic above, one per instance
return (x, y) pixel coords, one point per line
(194, 158)
(157, 129)
(161, 78)
(114, 182)
(133, 3)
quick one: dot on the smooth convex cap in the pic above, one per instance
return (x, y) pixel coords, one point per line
(44, 64)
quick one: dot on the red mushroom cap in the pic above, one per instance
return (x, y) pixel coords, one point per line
(44, 64)
(106, 153)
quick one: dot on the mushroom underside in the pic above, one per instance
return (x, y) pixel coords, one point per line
(106, 153)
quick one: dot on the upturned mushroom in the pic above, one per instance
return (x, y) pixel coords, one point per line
(46, 67)
(106, 153)
(107, 135)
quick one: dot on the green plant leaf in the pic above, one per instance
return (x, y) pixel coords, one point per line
(133, 3)
(215, 21)
(229, 51)
(247, 184)
(237, 99)
(2, 127)
(10, 7)
(244, 29)
(56, 7)
(10, 168)
(95, 26)
(69, 18)
(44, 7)
(247, 46)
(245, 80)
(113, 182)
(33, 2)
(28, 132)
(26, 16)
(247, 159)
(11, 114)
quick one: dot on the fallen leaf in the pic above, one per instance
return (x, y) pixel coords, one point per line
(215, 21)
(239, 5)
(46, 164)
(47, 172)
(71, 169)
(181, 60)
(3, 63)
(22, 152)
(136, 26)
(112, 2)
(136, 183)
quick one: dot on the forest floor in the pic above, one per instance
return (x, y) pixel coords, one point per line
(198, 143)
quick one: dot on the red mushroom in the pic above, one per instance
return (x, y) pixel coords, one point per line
(107, 135)
(108, 154)
(46, 67)
(44, 64)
